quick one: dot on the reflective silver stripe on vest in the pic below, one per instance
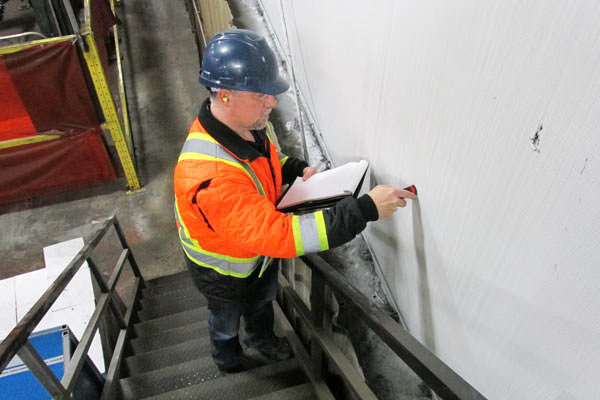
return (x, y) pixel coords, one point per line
(310, 234)
(215, 150)
(223, 264)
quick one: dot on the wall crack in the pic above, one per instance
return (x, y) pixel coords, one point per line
(535, 139)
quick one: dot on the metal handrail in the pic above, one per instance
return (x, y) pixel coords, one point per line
(24, 34)
(435, 373)
(17, 341)
(19, 335)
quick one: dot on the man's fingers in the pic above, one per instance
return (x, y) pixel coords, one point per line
(387, 199)
(405, 194)
(307, 172)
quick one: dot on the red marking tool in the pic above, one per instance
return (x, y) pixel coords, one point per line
(411, 188)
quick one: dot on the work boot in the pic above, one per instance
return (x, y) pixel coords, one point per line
(232, 369)
(277, 350)
(243, 365)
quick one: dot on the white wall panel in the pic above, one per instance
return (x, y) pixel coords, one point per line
(496, 267)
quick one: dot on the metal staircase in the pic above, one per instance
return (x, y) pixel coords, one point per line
(156, 343)
(168, 355)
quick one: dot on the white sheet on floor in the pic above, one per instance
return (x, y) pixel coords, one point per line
(74, 307)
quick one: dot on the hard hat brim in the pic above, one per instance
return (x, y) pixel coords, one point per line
(276, 87)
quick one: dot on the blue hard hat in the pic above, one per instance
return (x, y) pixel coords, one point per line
(241, 60)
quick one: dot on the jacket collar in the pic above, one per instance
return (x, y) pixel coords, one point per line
(241, 148)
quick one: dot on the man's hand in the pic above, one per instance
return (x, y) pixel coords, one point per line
(307, 172)
(387, 199)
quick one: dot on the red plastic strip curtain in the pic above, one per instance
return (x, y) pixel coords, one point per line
(51, 85)
(46, 86)
(14, 119)
(45, 168)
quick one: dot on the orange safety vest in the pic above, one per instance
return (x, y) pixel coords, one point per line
(225, 209)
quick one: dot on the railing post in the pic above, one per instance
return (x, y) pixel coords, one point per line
(116, 304)
(42, 372)
(132, 263)
(317, 306)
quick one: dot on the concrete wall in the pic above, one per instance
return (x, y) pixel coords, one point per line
(496, 267)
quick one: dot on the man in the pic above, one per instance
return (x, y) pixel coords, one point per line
(227, 181)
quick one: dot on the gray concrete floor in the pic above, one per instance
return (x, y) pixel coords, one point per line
(161, 59)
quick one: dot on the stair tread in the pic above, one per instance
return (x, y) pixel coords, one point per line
(168, 337)
(168, 356)
(155, 300)
(303, 391)
(244, 385)
(157, 325)
(169, 378)
(168, 279)
(173, 306)
(164, 286)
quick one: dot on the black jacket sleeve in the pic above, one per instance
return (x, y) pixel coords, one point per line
(348, 218)
(291, 169)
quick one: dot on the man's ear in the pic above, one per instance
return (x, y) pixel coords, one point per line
(224, 95)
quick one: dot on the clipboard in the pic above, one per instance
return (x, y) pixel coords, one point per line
(324, 189)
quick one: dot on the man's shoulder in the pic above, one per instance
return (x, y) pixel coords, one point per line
(196, 126)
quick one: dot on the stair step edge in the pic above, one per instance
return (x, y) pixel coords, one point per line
(168, 356)
(164, 379)
(251, 380)
(303, 391)
(148, 314)
(158, 352)
(167, 279)
(165, 290)
(195, 329)
(171, 297)
(195, 314)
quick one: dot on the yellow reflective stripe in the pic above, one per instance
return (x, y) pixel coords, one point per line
(222, 257)
(198, 156)
(283, 160)
(297, 235)
(202, 136)
(219, 270)
(254, 178)
(223, 264)
(186, 233)
(322, 230)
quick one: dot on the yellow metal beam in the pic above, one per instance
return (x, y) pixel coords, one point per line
(18, 47)
(5, 144)
(109, 110)
(122, 93)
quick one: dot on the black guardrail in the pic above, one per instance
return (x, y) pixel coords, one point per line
(434, 372)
